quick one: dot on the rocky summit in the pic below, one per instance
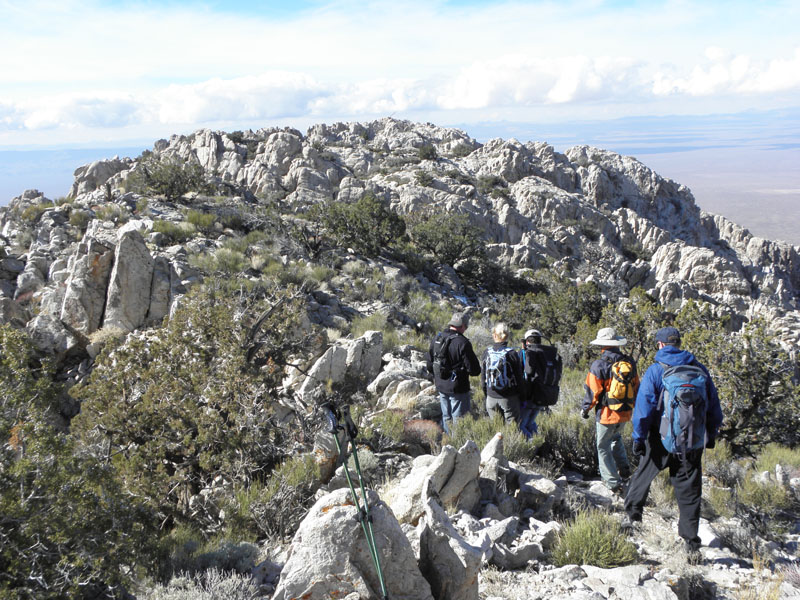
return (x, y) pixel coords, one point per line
(122, 256)
(588, 213)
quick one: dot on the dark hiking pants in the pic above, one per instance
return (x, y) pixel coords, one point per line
(686, 477)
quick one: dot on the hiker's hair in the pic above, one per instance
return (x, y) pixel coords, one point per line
(500, 330)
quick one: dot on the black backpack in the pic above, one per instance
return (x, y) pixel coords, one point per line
(442, 369)
(543, 383)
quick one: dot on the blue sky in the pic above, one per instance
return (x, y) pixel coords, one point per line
(121, 74)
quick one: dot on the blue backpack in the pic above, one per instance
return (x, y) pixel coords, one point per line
(684, 401)
(499, 374)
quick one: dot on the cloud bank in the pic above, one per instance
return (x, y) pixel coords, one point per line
(72, 67)
(507, 81)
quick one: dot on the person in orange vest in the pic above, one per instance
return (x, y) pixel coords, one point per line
(611, 386)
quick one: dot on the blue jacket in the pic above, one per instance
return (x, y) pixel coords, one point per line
(647, 417)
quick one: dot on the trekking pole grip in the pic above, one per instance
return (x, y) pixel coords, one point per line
(330, 415)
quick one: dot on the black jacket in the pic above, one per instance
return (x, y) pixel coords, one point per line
(534, 361)
(515, 362)
(462, 360)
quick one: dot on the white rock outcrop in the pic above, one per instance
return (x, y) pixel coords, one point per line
(330, 557)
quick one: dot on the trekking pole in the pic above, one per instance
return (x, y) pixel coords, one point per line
(352, 432)
(364, 516)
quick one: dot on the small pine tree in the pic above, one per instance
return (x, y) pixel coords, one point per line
(368, 225)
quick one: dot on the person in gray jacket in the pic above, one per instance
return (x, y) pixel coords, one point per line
(501, 376)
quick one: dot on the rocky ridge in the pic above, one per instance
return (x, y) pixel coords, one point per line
(588, 213)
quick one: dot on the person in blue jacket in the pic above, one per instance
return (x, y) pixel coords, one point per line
(685, 472)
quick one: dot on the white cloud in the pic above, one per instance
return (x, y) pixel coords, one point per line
(69, 65)
(509, 81)
(104, 109)
(275, 94)
(726, 73)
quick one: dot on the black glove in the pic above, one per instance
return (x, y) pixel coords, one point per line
(585, 414)
(638, 448)
(710, 443)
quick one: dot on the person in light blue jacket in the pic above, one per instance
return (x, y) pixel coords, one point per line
(685, 472)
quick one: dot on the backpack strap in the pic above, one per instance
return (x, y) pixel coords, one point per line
(660, 405)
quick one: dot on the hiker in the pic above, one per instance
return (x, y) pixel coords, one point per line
(542, 368)
(451, 361)
(661, 446)
(611, 386)
(501, 376)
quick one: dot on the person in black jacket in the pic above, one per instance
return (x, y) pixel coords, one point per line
(503, 389)
(454, 370)
(532, 355)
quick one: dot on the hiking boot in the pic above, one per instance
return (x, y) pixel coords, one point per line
(625, 474)
(693, 554)
(626, 524)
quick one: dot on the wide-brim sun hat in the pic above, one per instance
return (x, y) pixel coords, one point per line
(607, 336)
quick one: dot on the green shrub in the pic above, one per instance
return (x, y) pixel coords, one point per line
(567, 440)
(170, 177)
(488, 183)
(483, 429)
(291, 274)
(593, 538)
(719, 463)
(555, 305)
(767, 497)
(32, 213)
(662, 494)
(448, 237)
(176, 232)
(721, 500)
(775, 454)
(112, 212)
(69, 529)
(232, 220)
(195, 400)
(202, 221)
(229, 261)
(186, 550)
(277, 506)
(422, 309)
(590, 232)
(79, 218)
(376, 322)
(428, 152)
(753, 374)
(208, 585)
(368, 225)
(423, 178)
(321, 273)
(634, 252)
(637, 318)
(461, 150)
(387, 426)
(312, 235)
